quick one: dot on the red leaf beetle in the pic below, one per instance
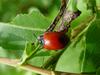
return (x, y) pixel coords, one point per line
(54, 40)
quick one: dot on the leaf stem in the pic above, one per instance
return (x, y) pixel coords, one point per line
(24, 61)
(14, 63)
(52, 60)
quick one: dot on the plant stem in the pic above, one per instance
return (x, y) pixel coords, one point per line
(52, 60)
(67, 18)
(56, 20)
(14, 63)
(24, 61)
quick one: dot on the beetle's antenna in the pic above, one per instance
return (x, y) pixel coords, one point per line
(35, 36)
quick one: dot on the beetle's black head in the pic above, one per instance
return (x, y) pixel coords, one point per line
(41, 39)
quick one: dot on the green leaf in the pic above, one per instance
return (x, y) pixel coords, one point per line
(72, 5)
(29, 52)
(93, 43)
(33, 51)
(43, 53)
(83, 54)
(38, 60)
(71, 59)
(81, 19)
(82, 5)
(87, 9)
(32, 20)
(14, 37)
(98, 71)
(98, 3)
(29, 48)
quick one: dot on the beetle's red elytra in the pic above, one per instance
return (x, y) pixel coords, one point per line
(54, 40)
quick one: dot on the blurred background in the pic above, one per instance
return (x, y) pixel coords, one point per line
(10, 8)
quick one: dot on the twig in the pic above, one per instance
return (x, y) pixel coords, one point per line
(59, 15)
(67, 18)
(14, 63)
(53, 59)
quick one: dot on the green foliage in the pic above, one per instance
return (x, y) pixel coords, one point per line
(34, 20)
(9, 9)
(12, 37)
(22, 29)
(81, 55)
